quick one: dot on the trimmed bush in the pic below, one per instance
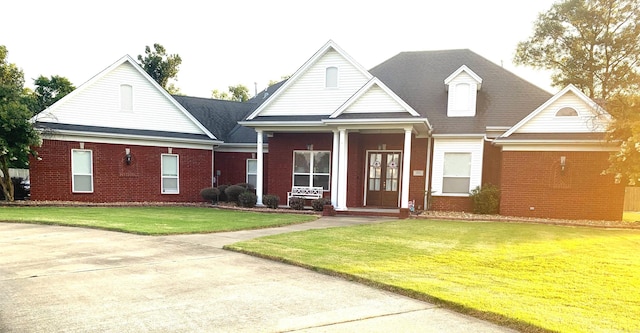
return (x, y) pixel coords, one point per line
(247, 186)
(271, 200)
(223, 194)
(247, 199)
(210, 194)
(296, 203)
(318, 204)
(486, 199)
(233, 192)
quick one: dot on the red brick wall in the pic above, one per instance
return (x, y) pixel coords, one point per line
(233, 167)
(113, 179)
(451, 204)
(534, 185)
(491, 164)
(280, 163)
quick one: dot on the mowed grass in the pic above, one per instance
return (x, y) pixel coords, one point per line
(151, 220)
(532, 277)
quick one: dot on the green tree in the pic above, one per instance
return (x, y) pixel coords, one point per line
(592, 44)
(50, 90)
(282, 78)
(17, 135)
(595, 45)
(238, 93)
(159, 65)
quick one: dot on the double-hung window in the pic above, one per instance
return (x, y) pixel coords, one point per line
(82, 170)
(252, 172)
(170, 172)
(311, 168)
(457, 173)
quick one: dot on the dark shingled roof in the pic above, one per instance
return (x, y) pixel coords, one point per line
(221, 117)
(418, 78)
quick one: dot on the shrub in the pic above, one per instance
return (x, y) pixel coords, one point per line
(296, 203)
(318, 204)
(247, 199)
(271, 200)
(247, 186)
(223, 194)
(233, 192)
(210, 194)
(486, 199)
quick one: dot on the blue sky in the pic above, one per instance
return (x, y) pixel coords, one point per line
(224, 43)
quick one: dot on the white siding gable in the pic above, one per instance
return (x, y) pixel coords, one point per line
(373, 101)
(308, 95)
(546, 120)
(474, 146)
(100, 104)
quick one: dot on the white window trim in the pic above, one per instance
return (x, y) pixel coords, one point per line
(311, 173)
(247, 173)
(73, 173)
(337, 77)
(163, 177)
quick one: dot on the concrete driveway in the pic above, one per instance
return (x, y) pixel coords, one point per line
(61, 279)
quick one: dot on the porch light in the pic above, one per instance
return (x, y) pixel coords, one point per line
(127, 156)
(310, 147)
(563, 163)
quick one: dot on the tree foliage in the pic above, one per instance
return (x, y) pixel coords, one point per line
(595, 45)
(159, 65)
(17, 135)
(238, 93)
(625, 130)
(592, 44)
(50, 90)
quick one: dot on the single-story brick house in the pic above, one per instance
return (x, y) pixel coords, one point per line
(422, 128)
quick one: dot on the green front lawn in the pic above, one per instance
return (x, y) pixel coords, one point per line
(151, 220)
(533, 277)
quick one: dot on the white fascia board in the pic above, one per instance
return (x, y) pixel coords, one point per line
(142, 140)
(596, 109)
(366, 87)
(241, 148)
(556, 145)
(458, 136)
(466, 69)
(321, 52)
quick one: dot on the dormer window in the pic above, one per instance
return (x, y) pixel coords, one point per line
(463, 86)
(331, 77)
(567, 112)
(126, 97)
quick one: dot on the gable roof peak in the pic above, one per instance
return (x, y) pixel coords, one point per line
(467, 70)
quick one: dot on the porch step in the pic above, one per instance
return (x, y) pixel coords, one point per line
(372, 212)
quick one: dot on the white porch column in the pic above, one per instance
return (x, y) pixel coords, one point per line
(260, 168)
(334, 168)
(406, 169)
(342, 170)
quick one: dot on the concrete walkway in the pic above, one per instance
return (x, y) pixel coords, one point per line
(61, 279)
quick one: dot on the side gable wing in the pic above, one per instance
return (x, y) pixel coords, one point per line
(306, 92)
(569, 111)
(123, 96)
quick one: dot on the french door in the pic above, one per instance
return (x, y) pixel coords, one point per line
(383, 179)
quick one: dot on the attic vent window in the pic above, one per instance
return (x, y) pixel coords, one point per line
(331, 77)
(462, 97)
(567, 112)
(126, 97)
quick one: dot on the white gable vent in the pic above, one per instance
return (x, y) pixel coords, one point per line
(463, 86)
